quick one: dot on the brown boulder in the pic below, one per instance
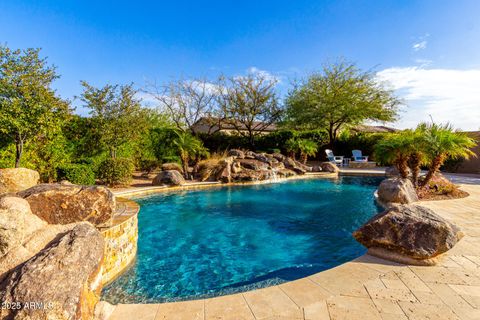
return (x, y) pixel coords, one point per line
(169, 177)
(280, 157)
(393, 172)
(236, 153)
(252, 164)
(172, 166)
(295, 166)
(396, 190)
(407, 233)
(64, 204)
(329, 167)
(17, 179)
(65, 277)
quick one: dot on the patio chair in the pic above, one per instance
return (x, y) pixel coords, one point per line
(338, 160)
(357, 156)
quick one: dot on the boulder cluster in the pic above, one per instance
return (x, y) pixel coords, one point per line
(406, 232)
(51, 252)
(242, 166)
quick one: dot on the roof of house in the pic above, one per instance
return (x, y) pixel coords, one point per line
(373, 129)
(228, 125)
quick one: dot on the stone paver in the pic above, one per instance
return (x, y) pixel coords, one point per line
(365, 288)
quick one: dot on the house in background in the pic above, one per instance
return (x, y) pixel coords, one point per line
(216, 125)
(372, 129)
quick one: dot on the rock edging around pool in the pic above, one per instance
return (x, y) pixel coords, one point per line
(120, 239)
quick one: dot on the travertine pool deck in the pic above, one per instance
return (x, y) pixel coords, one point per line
(365, 288)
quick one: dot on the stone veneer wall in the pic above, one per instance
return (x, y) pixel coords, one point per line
(120, 242)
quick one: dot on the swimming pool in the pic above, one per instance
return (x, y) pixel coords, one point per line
(195, 244)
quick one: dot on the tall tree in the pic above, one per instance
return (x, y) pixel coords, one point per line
(188, 101)
(249, 104)
(339, 96)
(28, 104)
(117, 115)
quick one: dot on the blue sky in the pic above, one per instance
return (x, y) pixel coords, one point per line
(428, 50)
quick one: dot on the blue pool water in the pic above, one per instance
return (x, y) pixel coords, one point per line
(195, 244)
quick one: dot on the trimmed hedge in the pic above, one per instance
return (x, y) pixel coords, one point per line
(116, 171)
(76, 173)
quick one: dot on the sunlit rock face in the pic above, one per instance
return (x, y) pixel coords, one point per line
(66, 276)
(169, 177)
(408, 231)
(397, 190)
(64, 204)
(17, 179)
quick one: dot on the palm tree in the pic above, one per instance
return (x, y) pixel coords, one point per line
(304, 147)
(292, 147)
(307, 148)
(417, 157)
(396, 148)
(443, 142)
(189, 148)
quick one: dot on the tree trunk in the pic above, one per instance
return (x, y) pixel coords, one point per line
(185, 166)
(402, 167)
(251, 141)
(434, 167)
(303, 158)
(19, 151)
(414, 164)
(331, 136)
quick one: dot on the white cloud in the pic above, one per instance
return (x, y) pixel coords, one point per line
(266, 74)
(448, 95)
(419, 45)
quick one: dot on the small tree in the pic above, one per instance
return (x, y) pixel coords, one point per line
(189, 148)
(339, 96)
(28, 104)
(116, 114)
(304, 147)
(443, 142)
(188, 101)
(396, 148)
(249, 104)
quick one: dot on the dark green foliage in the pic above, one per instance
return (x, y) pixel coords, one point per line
(162, 143)
(358, 141)
(148, 165)
(76, 174)
(116, 171)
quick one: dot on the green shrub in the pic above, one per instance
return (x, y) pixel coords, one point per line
(76, 173)
(148, 165)
(114, 172)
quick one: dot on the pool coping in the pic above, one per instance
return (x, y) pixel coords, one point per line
(364, 288)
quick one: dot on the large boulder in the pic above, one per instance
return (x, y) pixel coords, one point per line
(16, 223)
(224, 170)
(172, 166)
(280, 157)
(64, 204)
(252, 164)
(295, 166)
(329, 167)
(249, 175)
(236, 153)
(65, 277)
(408, 234)
(17, 179)
(396, 190)
(169, 177)
(393, 172)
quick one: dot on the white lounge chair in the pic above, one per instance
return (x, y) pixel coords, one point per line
(357, 156)
(338, 160)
